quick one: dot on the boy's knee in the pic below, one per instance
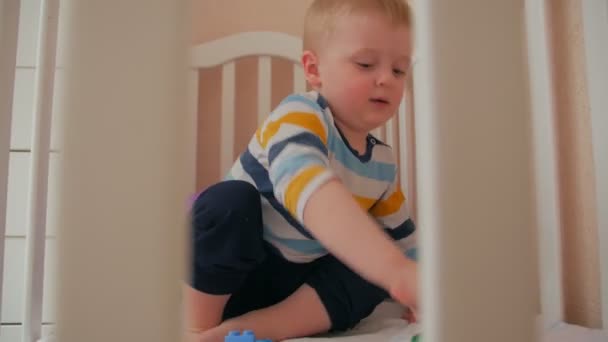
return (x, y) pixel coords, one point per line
(234, 195)
(228, 211)
(347, 297)
(226, 236)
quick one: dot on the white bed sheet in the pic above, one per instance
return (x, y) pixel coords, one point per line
(384, 325)
(563, 332)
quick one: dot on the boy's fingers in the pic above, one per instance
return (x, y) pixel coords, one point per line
(409, 315)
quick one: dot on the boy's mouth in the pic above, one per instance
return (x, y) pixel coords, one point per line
(380, 100)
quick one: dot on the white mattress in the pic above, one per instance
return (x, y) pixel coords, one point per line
(563, 332)
(385, 325)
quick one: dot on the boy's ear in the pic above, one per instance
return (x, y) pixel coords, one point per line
(310, 63)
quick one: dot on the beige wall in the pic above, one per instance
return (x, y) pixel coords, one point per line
(218, 18)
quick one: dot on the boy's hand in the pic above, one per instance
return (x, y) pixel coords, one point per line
(332, 213)
(409, 316)
(404, 289)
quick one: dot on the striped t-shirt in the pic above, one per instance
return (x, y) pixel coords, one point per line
(298, 148)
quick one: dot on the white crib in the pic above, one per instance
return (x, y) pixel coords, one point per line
(170, 166)
(264, 45)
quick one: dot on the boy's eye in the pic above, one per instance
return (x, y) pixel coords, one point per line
(364, 65)
(399, 72)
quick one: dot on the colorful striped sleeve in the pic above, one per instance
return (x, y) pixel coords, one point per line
(295, 140)
(392, 213)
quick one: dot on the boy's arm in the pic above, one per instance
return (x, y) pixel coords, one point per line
(296, 140)
(335, 219)
(392, 213)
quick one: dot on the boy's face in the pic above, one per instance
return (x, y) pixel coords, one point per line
(362, 70)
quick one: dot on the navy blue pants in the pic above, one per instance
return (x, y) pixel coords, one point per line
(230, 256)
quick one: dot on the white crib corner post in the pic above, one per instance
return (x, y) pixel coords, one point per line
(9, 27)
(595, 28)
(123, 196)
(473, 172)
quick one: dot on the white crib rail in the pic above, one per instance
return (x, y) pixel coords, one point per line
(9, 26)
(228, 117)
(222, 50)
(406, 148)
(123, 173)
(299, 80)
(474, 206)
(545, 162)
(264, 87)
(389, 133)
(36, 224)
(595, 19)
(192, 132)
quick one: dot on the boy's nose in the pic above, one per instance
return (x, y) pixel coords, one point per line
(384, 78)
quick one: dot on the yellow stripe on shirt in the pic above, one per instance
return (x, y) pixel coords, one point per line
(258, 135)
(364, 202)
(389, 206)
(297, 185)
(308, 121)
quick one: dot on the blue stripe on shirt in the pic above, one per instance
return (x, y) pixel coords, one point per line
(305, 246)
(293, 164)
(402, 231)
(412, 253)
(304, 138)
(262, 181)
(380, 171)
(312, 104)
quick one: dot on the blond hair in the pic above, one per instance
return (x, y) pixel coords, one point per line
(321, 15)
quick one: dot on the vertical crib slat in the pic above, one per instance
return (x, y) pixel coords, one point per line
(473, 162)
(227, 122)
(595, 25)
(404, 155)
(9, 27)
(264, 87)
(41, 139)
(545, 162)
(379, 133)
(299, 80)
(390, 132)
(122, 224)
(193, 94)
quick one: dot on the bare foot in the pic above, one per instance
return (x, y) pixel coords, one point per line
(203, 311)
(213, 335)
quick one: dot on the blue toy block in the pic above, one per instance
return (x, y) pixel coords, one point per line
(247, 336)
